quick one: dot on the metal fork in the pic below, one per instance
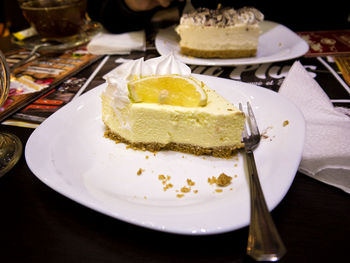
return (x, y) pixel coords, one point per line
(264, 242)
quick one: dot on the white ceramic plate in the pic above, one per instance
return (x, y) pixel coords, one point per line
(69, 153)
(277, 43)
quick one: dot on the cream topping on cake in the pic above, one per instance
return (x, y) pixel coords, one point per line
(162, 65)
(222, 17)
(221, 32)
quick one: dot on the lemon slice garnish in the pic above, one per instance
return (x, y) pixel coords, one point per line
(168, 89)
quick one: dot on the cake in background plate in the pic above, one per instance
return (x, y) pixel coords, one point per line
(220, 33)
(157, 105)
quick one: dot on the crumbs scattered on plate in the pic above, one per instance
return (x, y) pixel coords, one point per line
(222, 181)
(165, 181)
(265, 135)
(186, 188)
(285, 123)
(140, 171)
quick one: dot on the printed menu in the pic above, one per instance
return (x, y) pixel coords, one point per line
(41, 75)
(327, 43)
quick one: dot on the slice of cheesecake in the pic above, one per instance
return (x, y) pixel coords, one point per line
(210, 128)
(220, 33)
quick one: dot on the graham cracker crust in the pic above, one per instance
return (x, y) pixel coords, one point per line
(218, 53)
(222, 151)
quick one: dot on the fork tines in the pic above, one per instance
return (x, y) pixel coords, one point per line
(253, 124)
(254, 137)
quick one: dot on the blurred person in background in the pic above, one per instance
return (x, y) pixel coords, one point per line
(130, 15)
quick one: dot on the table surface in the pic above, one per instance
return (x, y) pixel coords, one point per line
(40, 225)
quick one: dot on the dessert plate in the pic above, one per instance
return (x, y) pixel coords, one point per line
(276, 43)
(69, 153)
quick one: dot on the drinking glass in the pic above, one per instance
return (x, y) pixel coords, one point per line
(10, 145)
(55, 19)
(60, 25)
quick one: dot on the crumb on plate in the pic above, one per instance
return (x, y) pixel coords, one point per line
(223, 180)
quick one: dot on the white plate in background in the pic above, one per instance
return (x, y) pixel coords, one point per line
(276, 43)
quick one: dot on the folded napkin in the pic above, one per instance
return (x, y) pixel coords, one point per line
(326, 155)
(117, 44)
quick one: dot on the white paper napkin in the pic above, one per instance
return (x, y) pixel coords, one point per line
(117, 44)
(326, 155)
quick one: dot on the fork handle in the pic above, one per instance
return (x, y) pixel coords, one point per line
(264, 242)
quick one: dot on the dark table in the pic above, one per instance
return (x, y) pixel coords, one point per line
(40, 225)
